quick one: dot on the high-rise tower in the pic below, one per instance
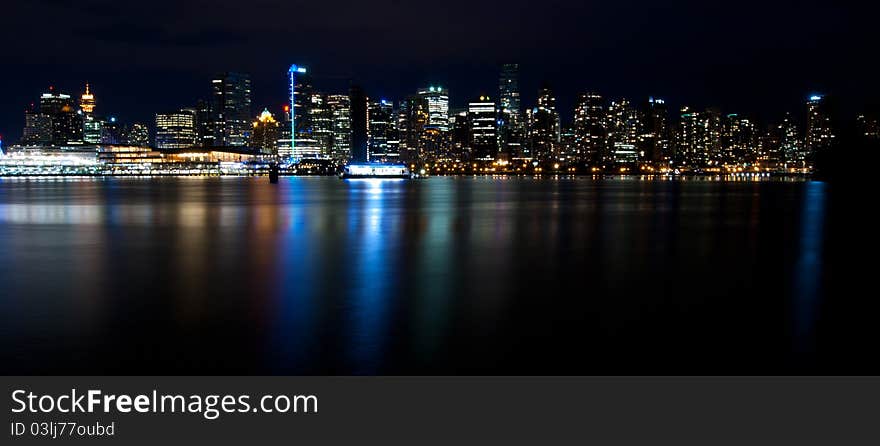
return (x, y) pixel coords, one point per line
(232, 109)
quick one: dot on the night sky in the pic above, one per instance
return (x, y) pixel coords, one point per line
(755, 57)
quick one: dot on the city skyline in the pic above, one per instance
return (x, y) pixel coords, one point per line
(605, 132)
(756, 58)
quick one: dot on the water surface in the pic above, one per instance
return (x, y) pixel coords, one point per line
(439, 276)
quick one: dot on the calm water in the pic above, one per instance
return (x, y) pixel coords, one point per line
(440, 276)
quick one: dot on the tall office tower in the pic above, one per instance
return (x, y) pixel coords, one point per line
(176, 130)
(769, 153)
(568, 149)
(92, 128)
(689, 151)
(321, 120)
(459, 135)
(589, 128)
(138, 135)
(739, 141)
(510, 121)
(699, 139)
(412, 120)
(819, 133)
(359, 121)
(794, 154)
(622, 126)
(37, 128)
(300, 89)
(206, 133)
(67, 124)
(232, 109)
(438, 106)
(382, 132)
(544, 127)
(340, 108)
(483, 128)
(435, 139)
(111, 132)
(712, 124)
(265, 134)
(655, 140)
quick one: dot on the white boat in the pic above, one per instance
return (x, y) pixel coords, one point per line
(368, 170)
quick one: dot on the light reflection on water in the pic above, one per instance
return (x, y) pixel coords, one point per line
(444, 275)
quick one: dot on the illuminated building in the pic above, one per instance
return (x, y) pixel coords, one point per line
(92, 128)
(869, 125)
(111, 132)
(137, 135)
(460, 139)
(37, 128)
(87, 101)
(411, 123)
(483, 128)
(544, 128)
(655, 139)
(510, 121)
(382, 139)
(300, 89)
(206, 135)
(769, 152)
(699, 138)
(264, 135)
(819, 135)
(437, 99)
(589, 127)
(793, 152)
(340, 107)
(320, 127)
(739, 141)
(175, 130)
(58, 113)
(622, 132)
(359, 122)
(231, 109)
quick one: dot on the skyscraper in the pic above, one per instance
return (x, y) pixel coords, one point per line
(437, 99)
(739, 141)
(206, 134)
(622, 127)
(794, 155)
(483, 128)
(544, 127)
(382, 139)
(412, 120)
(59, 112)
(699, 138)
(510, 120)
(589, 128)
(176, 130)
(340, 106)
(231, 109)
(655, 140)
(37, 128)
(819, 133)
(321, 125)
(300, 88)
(359, 121)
